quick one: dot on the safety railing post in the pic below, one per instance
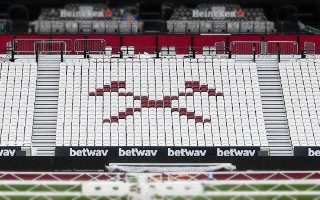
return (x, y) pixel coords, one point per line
(157, 52)
(254, 52)
(278, 50)
(85, 44)
(264, 48)
(37, 56)
(12, 56)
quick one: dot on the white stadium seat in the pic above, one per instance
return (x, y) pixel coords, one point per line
(159, 102)
(17, 98)
(300, 83)
(108, 50)
(168, 101)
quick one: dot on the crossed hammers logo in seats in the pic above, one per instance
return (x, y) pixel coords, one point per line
(166, 102)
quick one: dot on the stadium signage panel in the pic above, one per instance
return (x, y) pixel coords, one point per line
(81, 14)
(235, 152)
(307, 151)
(186, 152)
(211, 14)
(157, 152)
(11, 152)
(216, 13)
(137, 152)
(88, 152)
(7, 152)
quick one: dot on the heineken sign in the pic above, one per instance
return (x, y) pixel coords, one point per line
(217, 13)
(86, 12)
(81, 14)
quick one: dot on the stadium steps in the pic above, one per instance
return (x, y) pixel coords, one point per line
(273, 107)
(46, 106)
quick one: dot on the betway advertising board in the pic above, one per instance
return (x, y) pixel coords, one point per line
(307, 151)
(11, 151)
(157, 152)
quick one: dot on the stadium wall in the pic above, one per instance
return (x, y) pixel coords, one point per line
(148, 43)
(111, 40)
(310, 38)
(141, 43)
(200, 41)
(181, 42)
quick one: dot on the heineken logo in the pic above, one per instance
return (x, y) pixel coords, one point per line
(216, 13)
(81, 14)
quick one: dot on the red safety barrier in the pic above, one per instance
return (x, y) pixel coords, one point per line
(91, 45)
(50, 46)
(30, 46)
(288, 44)
(309, 48)
(246, 47)
(284, 47)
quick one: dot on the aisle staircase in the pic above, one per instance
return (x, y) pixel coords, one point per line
(46, 105)
(273, 107)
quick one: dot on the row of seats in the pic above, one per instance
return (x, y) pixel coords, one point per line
(86, 26)
(207, 51)
(301, 83)
(159, 102)
(219, 26)
(129, 51)
(17, 98)
(168, 51)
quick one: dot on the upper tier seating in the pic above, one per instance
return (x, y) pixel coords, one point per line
(17, 98)
(88, 26)
(300, 83)
(219, 26)
(159, 102)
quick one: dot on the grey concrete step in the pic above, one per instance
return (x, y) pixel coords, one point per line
(46, 106)
(273, 107)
